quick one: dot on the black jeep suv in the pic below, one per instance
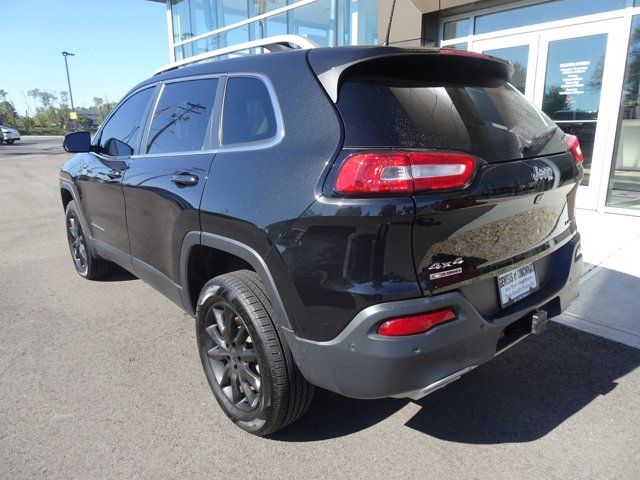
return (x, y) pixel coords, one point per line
(375, 221)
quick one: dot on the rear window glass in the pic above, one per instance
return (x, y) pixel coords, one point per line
(248, 114)
(182, 116)
(493, 123)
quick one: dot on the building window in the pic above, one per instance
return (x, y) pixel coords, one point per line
(457, 46)
(327, 22)
(624, 179)
(457, 29)
(541, 13)
(519, 58)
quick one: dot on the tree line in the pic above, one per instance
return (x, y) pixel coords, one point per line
(48, 113)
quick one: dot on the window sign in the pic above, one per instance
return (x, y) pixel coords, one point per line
(573, 86)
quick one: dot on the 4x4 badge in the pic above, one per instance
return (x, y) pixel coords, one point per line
(443, 265)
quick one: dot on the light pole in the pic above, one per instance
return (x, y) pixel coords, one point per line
(66, 65)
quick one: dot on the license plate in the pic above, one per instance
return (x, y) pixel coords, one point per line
(517, 284)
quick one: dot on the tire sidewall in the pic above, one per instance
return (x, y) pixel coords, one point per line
(215, 292)
(72, 209)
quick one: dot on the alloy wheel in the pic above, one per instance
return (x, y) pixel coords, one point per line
(77, 243)
(232, 356)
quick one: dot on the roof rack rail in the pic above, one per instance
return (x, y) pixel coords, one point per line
(276, 43)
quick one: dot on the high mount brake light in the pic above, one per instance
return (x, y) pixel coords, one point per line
(403, 172)
(415, 324)
(464, 53)
(573, 144)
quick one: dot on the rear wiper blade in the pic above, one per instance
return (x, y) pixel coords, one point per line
(540, 139)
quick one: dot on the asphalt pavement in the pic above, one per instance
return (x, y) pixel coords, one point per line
(102, 380)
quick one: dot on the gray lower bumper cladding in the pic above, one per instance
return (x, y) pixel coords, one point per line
(359, 363)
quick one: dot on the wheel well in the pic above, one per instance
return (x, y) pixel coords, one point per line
(206, 263)
(66, 197)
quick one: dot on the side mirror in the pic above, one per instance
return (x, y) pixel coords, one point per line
(77, 142)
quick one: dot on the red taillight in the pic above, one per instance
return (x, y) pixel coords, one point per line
(415, 324)
(403, 172)
(574, 146)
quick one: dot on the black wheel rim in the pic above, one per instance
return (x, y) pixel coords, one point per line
(232, 356)
(77, 243)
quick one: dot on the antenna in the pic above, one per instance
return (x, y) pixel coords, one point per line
(386, 38)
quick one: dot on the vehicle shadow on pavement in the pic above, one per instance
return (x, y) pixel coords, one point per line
(119, 274)
(519, 397)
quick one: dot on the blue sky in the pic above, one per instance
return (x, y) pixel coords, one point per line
(117, 43)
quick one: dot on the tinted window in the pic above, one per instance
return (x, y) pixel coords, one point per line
(181, 118)
(248, 113)
(494, 123)
(121, 134)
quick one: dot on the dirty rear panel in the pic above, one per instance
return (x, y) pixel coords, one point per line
(519, 205)
(505, 217)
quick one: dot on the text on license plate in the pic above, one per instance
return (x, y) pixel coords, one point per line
(517, 284)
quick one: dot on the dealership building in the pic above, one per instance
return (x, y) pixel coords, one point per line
(578, 60)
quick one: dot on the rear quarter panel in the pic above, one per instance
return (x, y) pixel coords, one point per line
(255, 196)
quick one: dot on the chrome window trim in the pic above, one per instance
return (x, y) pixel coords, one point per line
(277, 113)
(216, 121)
(152, 111)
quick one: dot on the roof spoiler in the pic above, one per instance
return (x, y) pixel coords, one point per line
(277, 43)
(425, 64)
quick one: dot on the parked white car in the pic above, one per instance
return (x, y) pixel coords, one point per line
(10, 134)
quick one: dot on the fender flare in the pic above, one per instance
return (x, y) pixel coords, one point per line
(238, 249)
(72, 189)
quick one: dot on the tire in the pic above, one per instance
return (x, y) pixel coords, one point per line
(10, 142)
(247, 363)
(87, 264)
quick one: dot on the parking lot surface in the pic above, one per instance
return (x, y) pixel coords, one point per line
(103, 380)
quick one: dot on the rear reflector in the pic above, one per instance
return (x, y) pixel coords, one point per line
(574, 146)
(415, 324)
(403, 172)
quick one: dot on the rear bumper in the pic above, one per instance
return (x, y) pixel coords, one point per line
(360, 363)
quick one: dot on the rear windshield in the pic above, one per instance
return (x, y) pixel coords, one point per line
(493, 123)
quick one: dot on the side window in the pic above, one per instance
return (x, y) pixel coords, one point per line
(121, 134)
(181, 118)
(248, 114)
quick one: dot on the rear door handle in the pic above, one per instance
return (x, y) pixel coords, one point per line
(185, 180)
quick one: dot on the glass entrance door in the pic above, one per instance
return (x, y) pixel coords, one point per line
(522, 52)
(564, 72)
(574, 81)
